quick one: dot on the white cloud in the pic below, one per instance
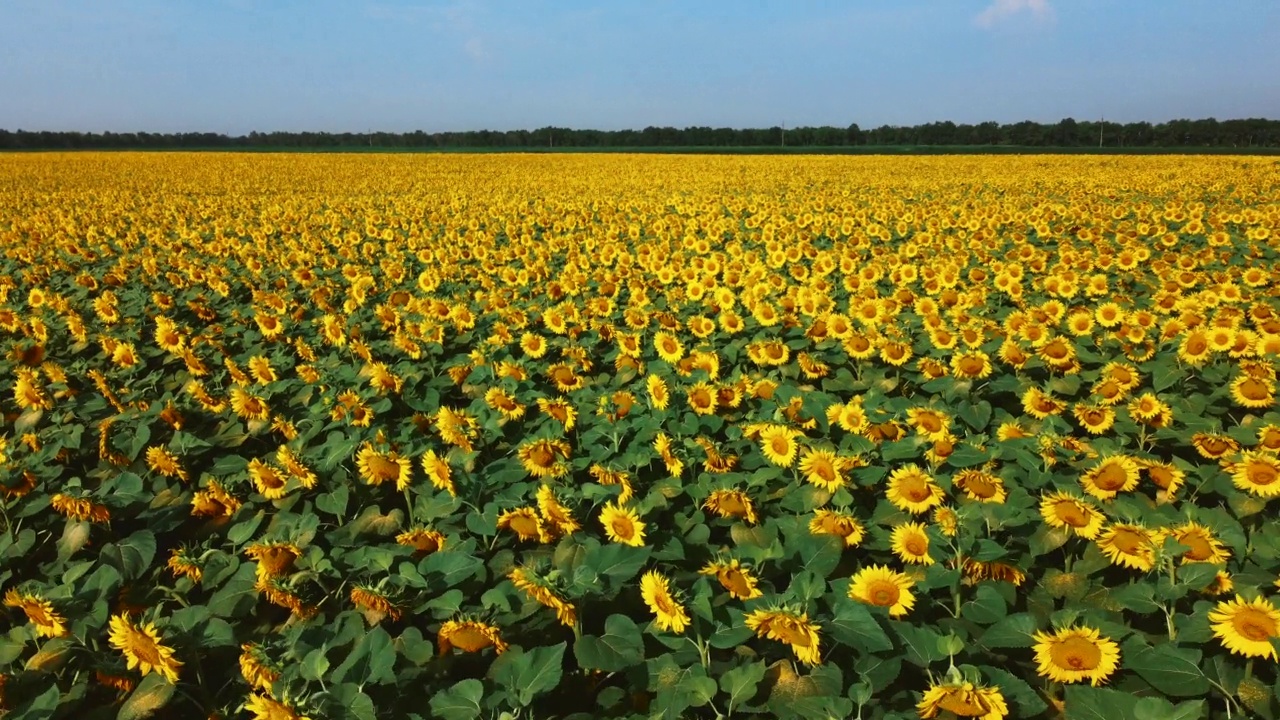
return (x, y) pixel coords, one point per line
(1000, 10)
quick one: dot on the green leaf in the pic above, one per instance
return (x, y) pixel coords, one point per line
(460, 702)
(988, 606)
(335, 502)
(919, 642)
(977, 415)
(1090, 703)
(620, 647)
(1170, 669)
(1165, 375)
(454, 566)
(741, 682)
(527, 674)
(966, 455)
(371, 660)
(855, 626)
(1012, 631)
(141, 436)
(1157, 708)
(1197, 576)
(1137, 597)
(39, 707)
(677, 688)
(314, 665)
(618, 562)
(153, 693)
(1016, 690)
(904, 449)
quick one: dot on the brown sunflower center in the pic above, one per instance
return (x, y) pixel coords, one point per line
(980, 486)
(468, 638)
(780, 444)
(1111, 477)
(917, 545)
(1261, 473)
(622, 527)
(884, 593)
(1201, 549)
(1129, 542)
(1252, 389)
(1197, 346)
(382, 468)
(970, 365)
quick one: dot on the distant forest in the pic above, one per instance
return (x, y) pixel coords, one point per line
(1068, 133)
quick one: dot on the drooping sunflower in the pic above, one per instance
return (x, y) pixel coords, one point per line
(779, 445)
(734, 577)
(376, 468)
(963, 701)
(257, 668)
(839, 524)
(560, 410)
(264, 707)
(374, 601)
(525, 523)
(214, 502)
(80, 508)
(1257, 473)
(622, 525)
(732, 504)
(293, 465)
(790, 627)
(1073, 655)
(529, 581)
(424, 541)
(142, 648)
(971, 365)
(39, 612)
(981, 486)
(668, 613)
(249, 406)
(1129, 545)
(881, 586)
(910, 542)
(469, 636)
(1039, 404)
(1213, 446)
(1247, 627)
(274, 558)
(182, 564)
(1063, 510)
(554, 513)
(913, 490)
(163, 462)
(1110, 477)
(270, 481)
(663, 446)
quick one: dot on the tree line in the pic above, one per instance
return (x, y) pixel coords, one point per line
(1067, 133)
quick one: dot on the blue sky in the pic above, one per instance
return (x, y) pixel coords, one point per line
(398, 65)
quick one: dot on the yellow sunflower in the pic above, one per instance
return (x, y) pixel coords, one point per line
(1129, 545)
(1062, 510)
(732, 504)
(910, 542)
(1247, 627)
(1203, 546)
(1257, 473)
(823, 468)
(1110, 477)
(734, 577)
(779, 445)
(439, 472)
(1253, 392)
(554, 513)
(669, 614)
(544, 458)
(981, 486)
(529, 582)
(264, 707)
(143, 649)
(913, 490)
(1073, 655)
(39, 612)
(376, 468)
(883, 587)
(786, 626)
(622, 525)
(668, 347)
(525, 523)
(841, 525)
(963, 701)
(469, 636)
(659, 394)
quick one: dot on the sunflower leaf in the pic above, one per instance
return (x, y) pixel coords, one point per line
(461, 701)
(620, 647)
(1170, 669)
(527, 674)
(153, 693)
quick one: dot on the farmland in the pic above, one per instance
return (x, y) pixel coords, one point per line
(358, 436)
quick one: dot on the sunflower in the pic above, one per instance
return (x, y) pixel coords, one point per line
(554, 513)
(732, 504)
(1150, 410)
(1129, 545)
(214, 502)
(249, 406)
(779, 445)
(1212, 446)
(1253, 392)
(28, 393)
(264, 707)
(1269, 438)
(622, 525)
(790, 627)
(1096, 419)
(1201, 543)
(270, 481)
(532, 345)
(39, 612)
(1257, 473)
(963, 701)
(1111, 476)
(469, 636)
(841, 525)
(669, 614)
(528, 581)
(978, 570)
(913, 490)
(1062, 510)
(257, 668)
(374, 601)
(504, 403)
(823, 469)
(929, 423)
(142, 648)
(1073, 655)
(163, 462)
(880, 586)
(659, 394)
(971, 365)
(376, 468)
(910, 542)
(544, 458)
(181, 564)
(561, 410)
(274, 558)
(981, 486)
(1247, 627)
(1040, 404)
(292, 464)
(1194, 349)
(525, 523)
(422, 540)
(668, 347)
(734, 577)
(82, 509)
(702, 399)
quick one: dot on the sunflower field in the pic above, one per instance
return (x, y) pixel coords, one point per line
(574, 436)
